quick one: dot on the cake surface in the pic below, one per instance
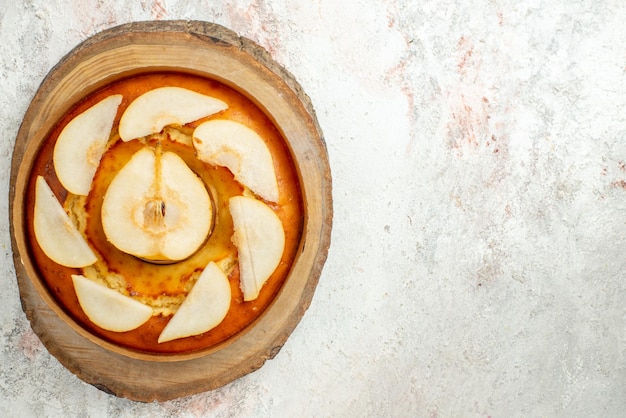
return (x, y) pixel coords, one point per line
(164, 287)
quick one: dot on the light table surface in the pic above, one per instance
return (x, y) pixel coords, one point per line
(478, 154)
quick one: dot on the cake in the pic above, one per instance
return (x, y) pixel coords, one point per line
(162, 281)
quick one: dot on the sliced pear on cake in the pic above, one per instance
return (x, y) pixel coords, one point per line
(54, 231)
(155, 109)
(156, 208)
(203, 309)
(260, 240)
(107, 308)
(82, 142)
(235, 146)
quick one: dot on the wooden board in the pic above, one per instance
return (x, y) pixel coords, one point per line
(198, 48)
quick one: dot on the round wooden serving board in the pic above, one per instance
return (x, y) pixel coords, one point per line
(197, 48)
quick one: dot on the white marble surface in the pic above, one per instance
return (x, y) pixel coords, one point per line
(478, 151)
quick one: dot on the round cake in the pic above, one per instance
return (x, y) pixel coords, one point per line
(198, 215)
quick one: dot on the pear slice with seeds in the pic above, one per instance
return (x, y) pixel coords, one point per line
(155, 109)
(81, 143)
(235, 146)
(107, 308)
(156, 208)
(54, 231)
(260, 240)
(203, 309)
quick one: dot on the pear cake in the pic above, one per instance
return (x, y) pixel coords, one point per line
(164, 212)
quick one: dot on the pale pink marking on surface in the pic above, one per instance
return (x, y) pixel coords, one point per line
(619, 184)
(158, 10)
(92, 17)
(467, 49)
(468, 106)
(615, 171)
(204, 404)
(30, 344)
(258, 24)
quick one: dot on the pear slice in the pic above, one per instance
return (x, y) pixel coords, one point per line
(203, 309)
(156, 208)
(155, 109)
(55, 233)
(240, 149)
(260, 240)
(80, 145)
(107, 308)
